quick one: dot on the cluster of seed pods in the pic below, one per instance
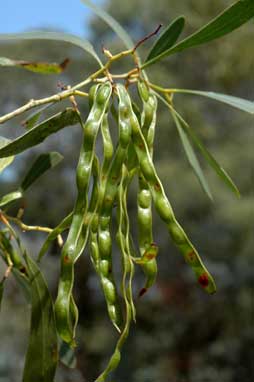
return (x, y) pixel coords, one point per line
(90, 223)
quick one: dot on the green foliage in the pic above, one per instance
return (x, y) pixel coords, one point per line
(82, 43)
(92, 217)
(229, 20)
(168, 38)
(40, 132)
(5, 162)
(235, 102)
(42, 353)
(37, 67)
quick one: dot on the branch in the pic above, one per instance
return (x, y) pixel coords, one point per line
(65, 93)
(34, 103)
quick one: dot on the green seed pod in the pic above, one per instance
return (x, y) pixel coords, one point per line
(109, 291)
(162, 204)
(92, 93)
(77, 236)
(104, 268)
(143, 91)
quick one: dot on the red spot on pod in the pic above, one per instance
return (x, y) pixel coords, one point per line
(142, 292)
(150, 256)
(203, 280)
(157, 187)
(191, 256)
(66, 259)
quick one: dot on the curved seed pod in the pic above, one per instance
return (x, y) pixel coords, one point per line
(94, 248)
(101, 265)
(105, 212)
(149, 114)
(127, 178)
(164, 208)
(94, 205)
(72, 247)
(147, 262)
(123, 234)
(126, 266)
(132, 160)
(92, 92)
(149, 266)
(108, 150)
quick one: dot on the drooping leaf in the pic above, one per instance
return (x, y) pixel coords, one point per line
(114, 25)
(33, 118)
(1, 292)
(192, 158)
(168, 38)
(43, 163)
(65, 224)
(42, 353)
(238, 103)
(5, 162)
(11, 197)
(38, 67)
(23, 282)
(56, 36)
(230, 19)
(40, 132)
(209, 158)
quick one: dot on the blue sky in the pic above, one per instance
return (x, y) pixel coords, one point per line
(69, 15)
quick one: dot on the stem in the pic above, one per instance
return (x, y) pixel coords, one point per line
(66, 93)
(147, 37)
(26, 227)
(34, 103)
(158, 88)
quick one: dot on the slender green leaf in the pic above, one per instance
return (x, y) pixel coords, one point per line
(43, 163)
(23, 282)
(34, 117)
(40, 132)
(56, 36)
(191, 156)
(42, 353)
(38, 67)
(238, 103)
(65, 224)
(230, 19)
(11, 197)
(168, 38)
(5, 162)
(209, 158)
(1, 292)
(117, 28)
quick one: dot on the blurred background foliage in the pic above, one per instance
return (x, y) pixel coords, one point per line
(181, 335)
